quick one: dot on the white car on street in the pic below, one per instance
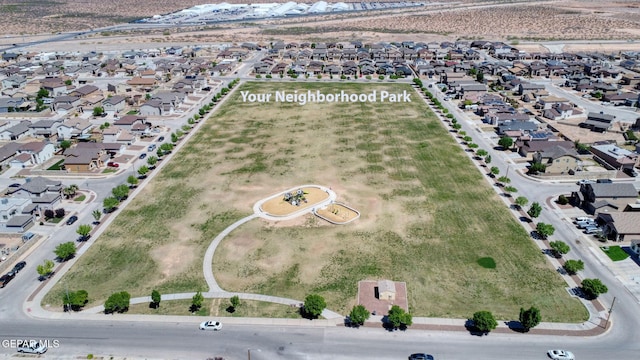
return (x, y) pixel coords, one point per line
(211, 325)
(560, 355)
(33, 348)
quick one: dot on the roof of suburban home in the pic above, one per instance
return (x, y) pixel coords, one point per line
(8, 150)
(19, 220)
(39, 184)
(623, 222)
(610, 190)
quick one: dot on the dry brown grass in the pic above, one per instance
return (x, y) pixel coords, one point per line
(568, 19)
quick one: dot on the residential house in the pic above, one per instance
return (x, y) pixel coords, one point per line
(54, 85)
(621, 226)
(598, 122)
(621, 98)
(528, 87)
(558, 159)
(74, 128)
(86, 157)
(7, 153)
(44, 128)
(85, 91)
(43, 192)
(614, 156)
(605, 197)
(126, 122)
(38, 151)
(66, 102)
(560, 111)
(151, 108)
(14, 82)
(13, 218)
(524, 126)
(527, 148)
(16, 131)
(8, 104)
(114, 104)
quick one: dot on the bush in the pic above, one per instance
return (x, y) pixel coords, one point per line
(562, 200)
(117, 302)
(358, 315)
(484, 321)
(398, 318)
(60, 212)
(48, 214)
(530, 318)
(313, 306)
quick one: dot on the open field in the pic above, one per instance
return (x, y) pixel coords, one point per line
(427, 215)
(491, 20)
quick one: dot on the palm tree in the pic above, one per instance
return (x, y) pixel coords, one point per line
(70, 191)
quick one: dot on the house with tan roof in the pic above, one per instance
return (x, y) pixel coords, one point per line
(620, 226)
(126, 122)
(86, 157)
(142, 81)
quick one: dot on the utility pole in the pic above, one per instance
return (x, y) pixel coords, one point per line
(606, 325)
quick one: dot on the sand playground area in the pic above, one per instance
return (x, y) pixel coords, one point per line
(304, 199)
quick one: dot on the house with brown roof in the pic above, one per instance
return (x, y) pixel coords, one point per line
(142, 81)
(86, 157)
(620, 226)
(85, 91)
(38, 151)
(558, 159)
(614, 157)
(126, 122)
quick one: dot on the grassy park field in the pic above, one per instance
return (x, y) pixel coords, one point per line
(427, 214)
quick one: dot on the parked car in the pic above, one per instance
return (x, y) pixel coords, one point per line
(211, 325)
(420, 356)
(585, 181)
(143, 155)
(560, 355)
(4, 279)
(583, 218)
(151, 147)
(72, 219)
(112, 164)
(592, 230)
(161, 139)
(33, 348)
(604, 181)
(585, 224)
(19, 266)
(15, 185)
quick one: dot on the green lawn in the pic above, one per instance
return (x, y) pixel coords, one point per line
(615, 253)
(427, 214)
(56, 166)
(80, 198)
